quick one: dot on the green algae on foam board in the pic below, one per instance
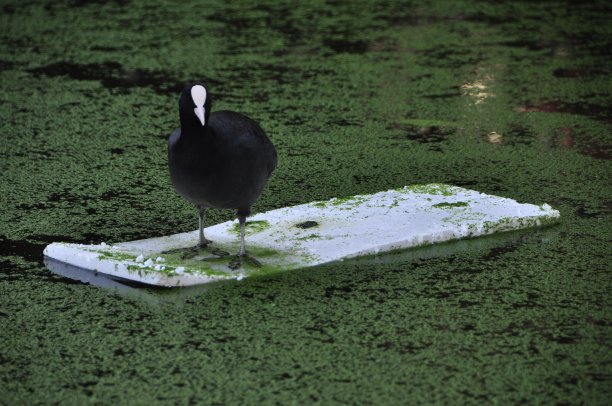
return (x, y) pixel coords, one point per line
(251, 227)
(507, 224)
(510, 223)
(191, 265)
(119, 256)
(309, 237)
(430, 189)
(169, 265)
(450, 204)
(204, 266)
(351, 201)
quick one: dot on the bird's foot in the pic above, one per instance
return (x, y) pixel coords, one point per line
(190, 252)
(243, 259)
(203, 243)
(219, 252)
(253, 261)
(195, 250)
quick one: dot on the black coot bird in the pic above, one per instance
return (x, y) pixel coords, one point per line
(219, 160)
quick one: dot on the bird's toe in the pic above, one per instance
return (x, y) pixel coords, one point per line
(252, 261)
(235, 263)
(190, 252)
(244, 259)
(219, 252)
(203, 243)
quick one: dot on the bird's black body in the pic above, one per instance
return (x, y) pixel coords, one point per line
(223, 163)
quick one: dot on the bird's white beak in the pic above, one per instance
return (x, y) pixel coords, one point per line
(199, 112)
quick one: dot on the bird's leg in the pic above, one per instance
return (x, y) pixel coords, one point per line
(242, 220)
(203, 241)
(242, 256)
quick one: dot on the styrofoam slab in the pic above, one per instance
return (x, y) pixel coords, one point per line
(310, 234)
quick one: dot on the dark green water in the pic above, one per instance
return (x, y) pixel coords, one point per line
(511, 99)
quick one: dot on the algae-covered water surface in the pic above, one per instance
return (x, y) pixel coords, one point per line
(511, 99)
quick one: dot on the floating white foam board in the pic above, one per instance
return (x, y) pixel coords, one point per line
(310, 234)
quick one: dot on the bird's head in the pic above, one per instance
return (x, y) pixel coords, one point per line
(194, 105)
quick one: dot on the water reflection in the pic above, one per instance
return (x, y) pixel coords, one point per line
(495, 137)
(147, 293)
(479, 88)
